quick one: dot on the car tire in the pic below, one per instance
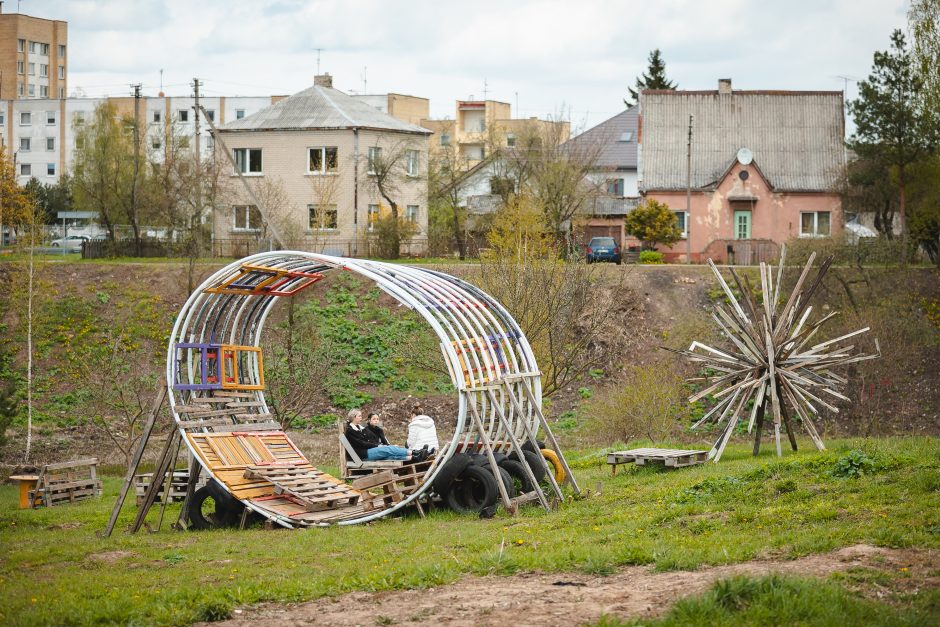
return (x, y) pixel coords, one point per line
(482, 459)
(559, 470)
(448, 472)
(473, 491)
(518, 476)
(535, 462)
(527, 446)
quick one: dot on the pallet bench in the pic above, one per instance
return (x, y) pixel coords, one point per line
(313, 489)
(65, 482)
(671, 458)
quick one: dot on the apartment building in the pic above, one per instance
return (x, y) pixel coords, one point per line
(410, 109)
(33, 57)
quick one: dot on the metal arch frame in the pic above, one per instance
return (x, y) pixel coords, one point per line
(456, 310)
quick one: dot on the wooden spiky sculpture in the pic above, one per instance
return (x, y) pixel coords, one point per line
(771, 360)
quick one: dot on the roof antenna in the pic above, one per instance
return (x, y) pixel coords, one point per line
(318, 59)
(485, 89)
(365, 82)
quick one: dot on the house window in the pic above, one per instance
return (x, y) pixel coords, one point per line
(156, 144)
(183, 115)
(247, 218)
(32, 91)
(20, 90)
(44, 49)
(50, 169)
(445, 140)
(742, 225)
(3, 117)
(19, 67)
(375, 158)
(62, 71)
(510, 140)
(626, 136)
(682, 220)
(411, 213)
(61, 92)
(50, 118)
(79, 118)
(24, 144)
(26, 118)
(33, 47)
(373, 216)
(43, 69)
(248, 160)
(210, 113)
(61, 50)
(156, 116)
(615, 187)
(322, 217)
(239, 114)
(32, 69)
(50, 143)
(43, 91)
(815, 224)
(20, 45)
(26, 169)
(411, 162)
(321, 160)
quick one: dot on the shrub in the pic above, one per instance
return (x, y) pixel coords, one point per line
(854, 464)
(653, 223)
(651, 256)
(8, 411)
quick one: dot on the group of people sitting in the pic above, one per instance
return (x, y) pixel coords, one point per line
(369, 441)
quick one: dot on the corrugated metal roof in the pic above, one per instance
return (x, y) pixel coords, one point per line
(796, 137)
(321, 108)
(608, 135)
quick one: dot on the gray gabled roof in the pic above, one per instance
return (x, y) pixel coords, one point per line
(796, 137)
(319, 108)
(613, 152)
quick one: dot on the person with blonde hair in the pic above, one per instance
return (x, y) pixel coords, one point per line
(368, 446)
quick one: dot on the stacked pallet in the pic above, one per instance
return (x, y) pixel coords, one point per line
(178, 486)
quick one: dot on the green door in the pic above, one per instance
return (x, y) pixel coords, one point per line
(742, 225)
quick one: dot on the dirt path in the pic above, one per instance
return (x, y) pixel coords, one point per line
(569, 598)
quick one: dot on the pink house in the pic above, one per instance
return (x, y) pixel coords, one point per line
(764, 165)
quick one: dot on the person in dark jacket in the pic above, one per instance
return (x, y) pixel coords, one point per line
(374, 424)
(368, 445)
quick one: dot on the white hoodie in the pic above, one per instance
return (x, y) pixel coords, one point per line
(421, 431)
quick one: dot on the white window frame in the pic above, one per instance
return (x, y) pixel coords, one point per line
(50, 118)
(210, 113)
(50, 169)
(370, 221)
(182, 115)
(26, 169)
(20, 88)
(79, 118)
(242, 158)
(815, 232)
(412, 162)
(50, 144)
(157, 117)
(20, 67)
(32, 69)
(26, 118)
(43, 91)
(411, 213)
(44, 49)
(247, 214)
(239, 114)
(375, 153)
(61, 50)
(32, 90)
(315, 217)
(445, 139)
(44, 70)
(683, 218)
(61, 72)
(323, 161)
(33, 47)
(21, 45)
(618, 182)
(26, 144)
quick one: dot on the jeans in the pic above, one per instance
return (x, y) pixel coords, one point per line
(387, 451)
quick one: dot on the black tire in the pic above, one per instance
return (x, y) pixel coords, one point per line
(518, 476)
(483, 460)
(535, 462)
(528, 446)
(511, 491)
(473, 491)
(449, 471)
(226, 513)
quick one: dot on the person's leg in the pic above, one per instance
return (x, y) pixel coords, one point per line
(387, 451)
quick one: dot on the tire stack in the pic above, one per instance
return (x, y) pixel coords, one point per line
(466, 483)
(227, 509)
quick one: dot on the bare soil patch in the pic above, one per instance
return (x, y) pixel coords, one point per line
(572, 598)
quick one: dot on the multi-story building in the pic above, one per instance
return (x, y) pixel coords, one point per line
(410, 109)
(33, 57)
(481, 126)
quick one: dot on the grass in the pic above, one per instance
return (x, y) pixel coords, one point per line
(54, 570)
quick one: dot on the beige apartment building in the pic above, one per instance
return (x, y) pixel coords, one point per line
(481, 126)
(309, 161)
(33, 57)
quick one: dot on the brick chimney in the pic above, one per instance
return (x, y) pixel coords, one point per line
(323, 80)
(724, 85)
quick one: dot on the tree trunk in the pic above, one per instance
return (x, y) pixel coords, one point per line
(902, 211)
(458, 234)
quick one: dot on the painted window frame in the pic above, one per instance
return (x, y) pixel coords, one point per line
(372, 217)
(243, 163)
(412, 162)
(683, 219)
(374, 154)
(411, 213)
(315, 217)
(249, 212)
(815, 226)
(324, 168)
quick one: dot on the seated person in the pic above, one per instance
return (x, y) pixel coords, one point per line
(374, 424)
(368, 446)
(421, 431)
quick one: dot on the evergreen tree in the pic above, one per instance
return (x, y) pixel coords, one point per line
(892, 124)
(653, 78)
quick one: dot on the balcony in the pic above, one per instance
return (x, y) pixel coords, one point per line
(610, 206)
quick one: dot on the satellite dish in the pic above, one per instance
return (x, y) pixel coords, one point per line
(745, 156)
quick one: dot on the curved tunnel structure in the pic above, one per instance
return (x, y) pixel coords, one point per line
(215, 377)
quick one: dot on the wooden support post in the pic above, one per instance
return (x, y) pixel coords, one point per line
(194, 469)
(168, 484)
(549, 471)
(135, 463)
(786, 420)
(758, 431)
(569, 476)
(487, 445)
(517, 448)
(157, 481)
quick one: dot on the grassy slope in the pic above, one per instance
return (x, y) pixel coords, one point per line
(54, 570)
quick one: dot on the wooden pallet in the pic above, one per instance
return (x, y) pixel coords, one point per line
(178, 486)
(312, 489)
(671, 458)
(66, 482)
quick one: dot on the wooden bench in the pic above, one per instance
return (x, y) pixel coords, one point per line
(352, 466)
(66, 482)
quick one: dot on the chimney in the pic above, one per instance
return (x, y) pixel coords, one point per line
(323, 80)
(724, 85)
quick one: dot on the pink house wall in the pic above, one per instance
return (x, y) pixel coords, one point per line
(774, 215)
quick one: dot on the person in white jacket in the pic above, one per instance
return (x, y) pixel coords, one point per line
(421, 431)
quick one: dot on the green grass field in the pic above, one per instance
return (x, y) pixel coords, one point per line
(886, 492)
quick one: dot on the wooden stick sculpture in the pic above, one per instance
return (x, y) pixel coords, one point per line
(772, 360)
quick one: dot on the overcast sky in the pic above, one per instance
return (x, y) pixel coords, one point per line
(577, 56)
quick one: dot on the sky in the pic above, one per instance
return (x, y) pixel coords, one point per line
(569, 59)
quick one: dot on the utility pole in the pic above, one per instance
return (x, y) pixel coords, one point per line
(136, 225)
(196, 218)
(688, 195)
(196, 142)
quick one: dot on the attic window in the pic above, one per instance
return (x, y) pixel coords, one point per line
(626, 136)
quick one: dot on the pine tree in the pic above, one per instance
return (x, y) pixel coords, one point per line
(653, 78)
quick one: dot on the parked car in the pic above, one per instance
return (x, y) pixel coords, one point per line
(72, 242)
(602, 249)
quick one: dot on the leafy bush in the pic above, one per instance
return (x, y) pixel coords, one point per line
(651, 256)
(653, 223)
(854, 464)
(8, 411)
(314, 423)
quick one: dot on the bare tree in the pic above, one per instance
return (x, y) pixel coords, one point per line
(445, 208)
(390, 169)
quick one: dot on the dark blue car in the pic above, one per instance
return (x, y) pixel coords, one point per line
(602, 249)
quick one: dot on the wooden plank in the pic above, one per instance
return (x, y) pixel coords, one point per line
(74, 464)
